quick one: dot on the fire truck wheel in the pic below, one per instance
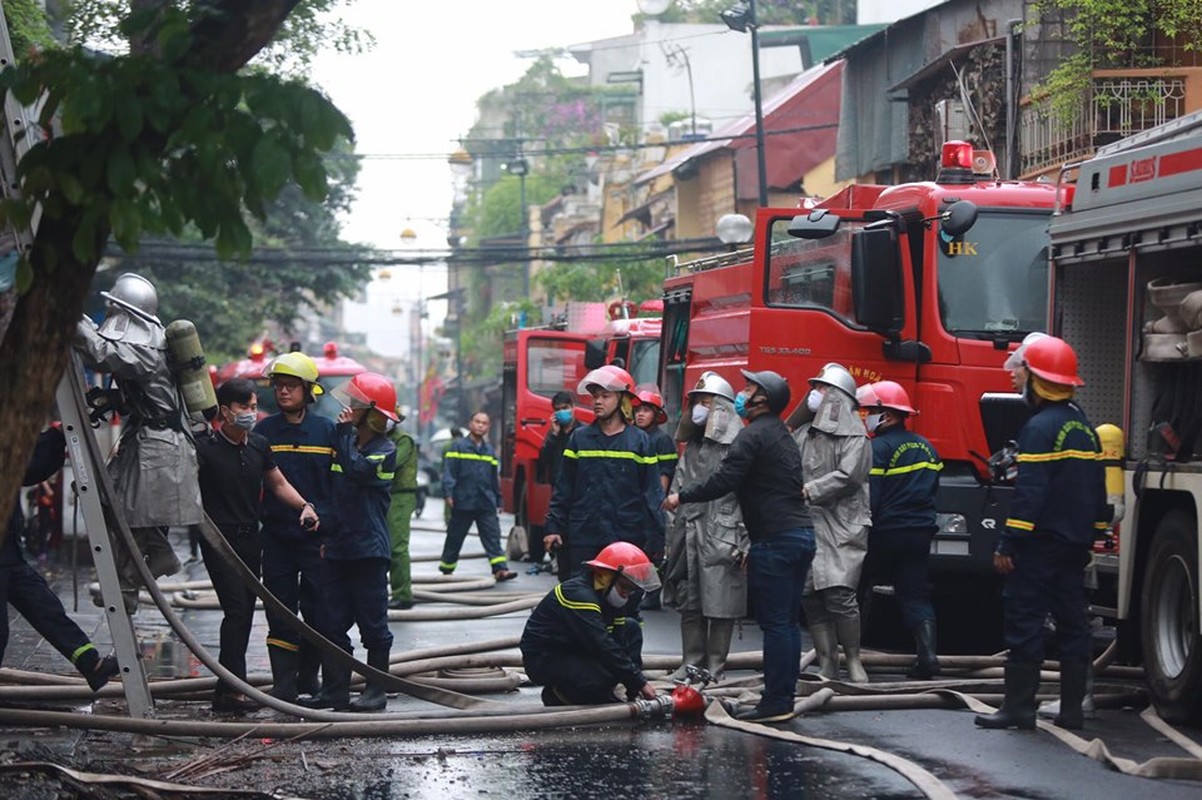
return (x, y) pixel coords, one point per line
(1172, 647)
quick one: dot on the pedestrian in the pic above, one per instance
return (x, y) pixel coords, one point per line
(236, 466)
(704, 578)
(303, 445)
(608, 488)
(649, 415)
(835, 461)
(26, 591)
(1058, 505)
(471, 488)
(154, 469)
(401, 506)
(763, 469)
(575, 644)
(359, 555)
(901, 489)
(550, 456)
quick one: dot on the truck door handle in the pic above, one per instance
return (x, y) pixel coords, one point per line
(534, 421)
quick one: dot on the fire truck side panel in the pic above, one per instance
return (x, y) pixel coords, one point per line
(1137, 218)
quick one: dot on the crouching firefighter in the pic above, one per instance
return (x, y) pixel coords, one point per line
(1059, 503)
(154, 473)
(576, 644)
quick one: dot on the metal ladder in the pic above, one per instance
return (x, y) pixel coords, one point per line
(91, 480)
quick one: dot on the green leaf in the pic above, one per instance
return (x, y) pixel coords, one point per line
(83, 244)
(270, 166)
(129, 117)
(121, 172)
(24, 275)
(126, 223)
(310, 175)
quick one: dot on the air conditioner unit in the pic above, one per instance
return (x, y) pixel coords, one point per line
(952, 121)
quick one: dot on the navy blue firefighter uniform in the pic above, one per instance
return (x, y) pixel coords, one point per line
(469, 477)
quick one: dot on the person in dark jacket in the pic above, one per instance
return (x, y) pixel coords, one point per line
(608, 489)
(575, 643)
(1058, 506)
(23, 587)
(649, 415)
(302, 445)
(901, 488)
(763, 469)
(472, 490)
(550, 456)
(235, 467)
(359, 555)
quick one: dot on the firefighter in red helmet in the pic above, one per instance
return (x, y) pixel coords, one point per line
(577, 644)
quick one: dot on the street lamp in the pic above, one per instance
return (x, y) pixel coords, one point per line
(741, 18)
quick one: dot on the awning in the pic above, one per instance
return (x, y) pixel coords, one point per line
(955, 55)
(642, 213)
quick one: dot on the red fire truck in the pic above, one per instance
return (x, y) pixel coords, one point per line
(332, 367)
(1127, 294)
(538, 362)
(927, 284)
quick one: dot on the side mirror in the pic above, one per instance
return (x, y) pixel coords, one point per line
(876, 281)
(818, 224)
(594, 353)
(959, 218)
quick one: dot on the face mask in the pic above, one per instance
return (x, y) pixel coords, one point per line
(564, 416)
(701, 414)
(244, 420)
(615, 598)
(741, 405)
(873, 421)
(814, 400)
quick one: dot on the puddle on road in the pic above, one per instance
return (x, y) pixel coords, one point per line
(164, 656)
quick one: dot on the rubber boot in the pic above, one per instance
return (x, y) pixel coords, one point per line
(98, 671)
(308, 663)
(1074, 681)
(283, 673)
(847, 631)
(927, 665)
(1018, 708)
(827, 648)
(1051, 709)
(335, 691)
(692, 645)
(375, 696)
(717, 647)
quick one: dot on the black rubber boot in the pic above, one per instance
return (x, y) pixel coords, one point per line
(374, 697)
(1018, 709)
(309, 661)
(283, 673)
(96, 670)
(927, 665)
(335, 691)
(1074, 676)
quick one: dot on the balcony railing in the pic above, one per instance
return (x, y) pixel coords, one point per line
(1116, 107)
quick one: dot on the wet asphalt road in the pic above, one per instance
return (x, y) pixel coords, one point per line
(656, 759)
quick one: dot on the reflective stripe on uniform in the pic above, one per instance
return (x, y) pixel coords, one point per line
(573, 604)
(1063, 455)
(626, 454)
(307, 449)
(471, 457)
(667, 457)
(280, 643)
(81, 650)
(881, 471)
(492, 562)
(1020, 524)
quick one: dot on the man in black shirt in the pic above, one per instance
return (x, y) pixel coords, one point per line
(235, 465)
(763, 469)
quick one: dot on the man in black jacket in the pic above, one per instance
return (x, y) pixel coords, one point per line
(763, 469)
(575, 643)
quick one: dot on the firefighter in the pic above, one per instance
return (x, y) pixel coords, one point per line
(902, 487)
(550, 456)
(704, 578)
(763, 468)
(25, 590)
(835, 460)
(649, 415)
(1059, 503)
(472, 490)
(302, 444)
(608, 489)
(154, 471)
(359, 555)
(400, 514)
(576, 642)
(1014, 362)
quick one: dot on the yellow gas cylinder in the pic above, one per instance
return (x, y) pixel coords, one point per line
(188, 363)
(1113, 446)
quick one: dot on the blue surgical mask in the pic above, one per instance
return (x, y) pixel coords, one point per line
(564, 416)
(741, 405)
(244, 420)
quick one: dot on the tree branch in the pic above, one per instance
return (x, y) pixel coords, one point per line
(234, 31)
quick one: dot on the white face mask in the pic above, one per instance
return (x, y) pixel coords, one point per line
(616, 598)
(873, 421)
(814, 400)
(700, 414)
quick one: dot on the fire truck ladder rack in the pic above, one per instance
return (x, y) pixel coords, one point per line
(91, 479)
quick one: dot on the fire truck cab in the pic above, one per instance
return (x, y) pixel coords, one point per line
(927, 284)
(538, 362)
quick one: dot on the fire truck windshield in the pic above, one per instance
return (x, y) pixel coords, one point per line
(644, 361)
(993, 282)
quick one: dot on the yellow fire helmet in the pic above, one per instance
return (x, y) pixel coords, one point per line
(297, 365)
